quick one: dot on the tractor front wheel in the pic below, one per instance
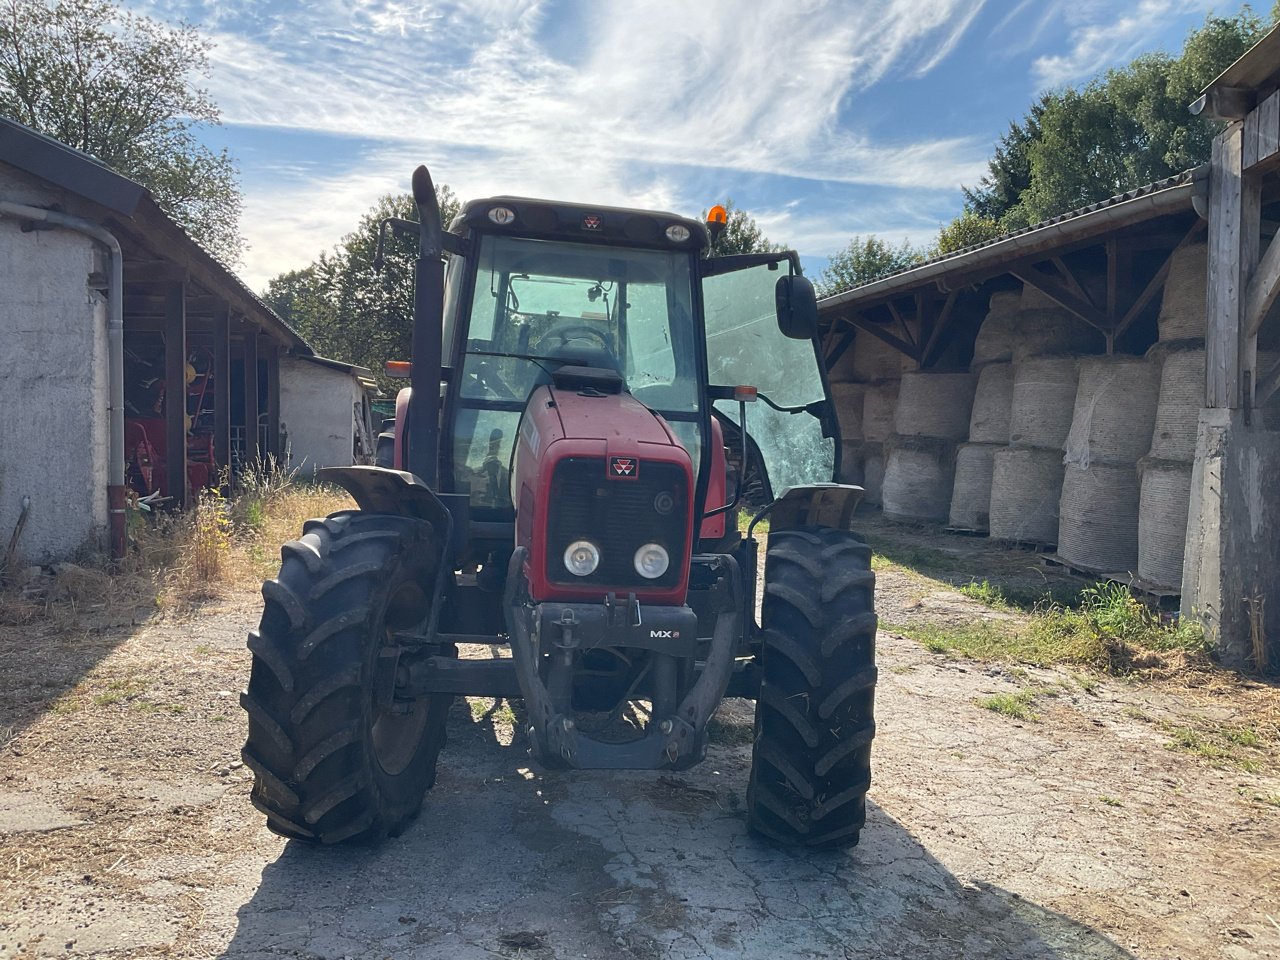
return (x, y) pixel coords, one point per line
(330, 763)
(811, 760)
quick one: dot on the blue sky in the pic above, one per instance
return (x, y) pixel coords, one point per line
(822, 119)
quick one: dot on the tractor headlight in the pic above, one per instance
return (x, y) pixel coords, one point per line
(581, 558)
(652, 561)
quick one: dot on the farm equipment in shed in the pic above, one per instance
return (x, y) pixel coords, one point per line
(561, 479)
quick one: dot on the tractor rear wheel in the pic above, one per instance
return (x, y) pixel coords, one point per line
(811, 760)
(329, 763)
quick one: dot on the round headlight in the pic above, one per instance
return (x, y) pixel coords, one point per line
(501, 215)
(652, 561)
(677, 233)
(581, 558)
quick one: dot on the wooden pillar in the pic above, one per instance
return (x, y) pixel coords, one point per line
(222, 388)
(251, 451)
(273, 403)
(175, 391)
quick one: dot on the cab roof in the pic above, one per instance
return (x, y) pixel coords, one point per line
(580, 223)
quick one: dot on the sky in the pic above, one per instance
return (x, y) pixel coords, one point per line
(823, 120)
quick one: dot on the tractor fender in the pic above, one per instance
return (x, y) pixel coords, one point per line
(380, 490)
(813, 505)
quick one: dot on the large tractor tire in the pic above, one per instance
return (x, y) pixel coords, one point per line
(329, 763)
(811, 760)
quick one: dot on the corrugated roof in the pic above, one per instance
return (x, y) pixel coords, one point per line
(1148, 200)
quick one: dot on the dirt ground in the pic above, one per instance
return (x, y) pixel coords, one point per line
(126, 830)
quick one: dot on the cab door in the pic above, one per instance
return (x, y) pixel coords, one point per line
(793, 424)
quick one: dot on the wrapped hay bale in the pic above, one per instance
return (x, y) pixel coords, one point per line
(918, 474)
(934, 405)
(1026, 485)
(878, 403)
(1045, 329)
(1162, 521)
(1178, 409)
(971, 491)
(870, 359)
(1044, 396)
(1098, 517)
(872, 473)
(992, 404)
(851, 460)
(995, 337)
(1182, 306)
(1115, 411)
(847, 398)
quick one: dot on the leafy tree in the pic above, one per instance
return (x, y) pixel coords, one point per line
(965, 231)
(741, 235)
(120, 87)
(346, 308)
(1126, 128)
(863, 260)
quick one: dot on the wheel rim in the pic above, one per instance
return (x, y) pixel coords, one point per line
(395, 737)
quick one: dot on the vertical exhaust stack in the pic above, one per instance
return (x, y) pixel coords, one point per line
(423, 427)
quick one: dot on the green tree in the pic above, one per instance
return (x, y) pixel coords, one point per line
(863, 260)
(1128, 127)
(343, 306)
(741, 235)
(123, 88)
(964, 231)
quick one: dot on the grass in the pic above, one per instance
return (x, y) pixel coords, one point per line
(121, 690)
(498, 712)
(1219, 745)
(1015, 706)
(1110, 801)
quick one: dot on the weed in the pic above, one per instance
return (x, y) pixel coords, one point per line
(219, 718)
(1270, 799)
(118, 690)
(1243, 736)
(1016, 706)
(1137, 713)
(1110, 801)
(1085, 682)
(497, 712)
(986, 593)
(203, 649)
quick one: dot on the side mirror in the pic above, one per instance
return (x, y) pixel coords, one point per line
(797, 308)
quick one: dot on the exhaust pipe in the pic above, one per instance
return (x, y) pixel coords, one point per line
(423, 428)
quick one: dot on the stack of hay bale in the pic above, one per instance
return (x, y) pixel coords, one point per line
(1166, 470)
(864, 386)
(931, 418)
(1026, 479)
(1111, 424)
(989, 419)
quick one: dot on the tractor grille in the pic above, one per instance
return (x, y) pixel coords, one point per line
(618, 516)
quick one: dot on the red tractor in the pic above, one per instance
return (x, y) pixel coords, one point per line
(568, 466)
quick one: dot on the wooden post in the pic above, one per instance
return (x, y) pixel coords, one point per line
(251, 451)
(222, 388)
(175, 391)
(273, 403)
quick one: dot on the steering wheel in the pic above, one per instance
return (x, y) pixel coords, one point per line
(577, 331)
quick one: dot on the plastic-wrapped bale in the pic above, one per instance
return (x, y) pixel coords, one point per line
(872, 473)
(971, 492)
(992, 404)
(1098, 517)
(869, 359)
(1183, 306)
(1115, 411)
(1026, 484)
(847, 398)
(1045, 329)
(1178, 409)
(995, 337)
(918, 476)
(934, 405)
(878, 404)
(1162, 522)
(1044, 396)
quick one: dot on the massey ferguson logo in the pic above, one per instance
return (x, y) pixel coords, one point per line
(664, 634)
(590, 222)
(624, 467)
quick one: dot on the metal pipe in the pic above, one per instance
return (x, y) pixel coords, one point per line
(115, 355)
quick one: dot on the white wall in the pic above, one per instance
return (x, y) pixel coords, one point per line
(317, 414)
(53, 384)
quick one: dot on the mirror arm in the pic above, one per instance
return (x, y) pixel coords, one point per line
(742, 470)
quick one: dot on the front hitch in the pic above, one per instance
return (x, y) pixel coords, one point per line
(675, 738)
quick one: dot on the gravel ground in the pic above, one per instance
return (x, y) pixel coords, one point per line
(126, 831)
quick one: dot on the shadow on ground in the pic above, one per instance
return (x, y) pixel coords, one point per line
(505, 862)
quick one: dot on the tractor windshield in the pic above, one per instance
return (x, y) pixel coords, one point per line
(537, 301)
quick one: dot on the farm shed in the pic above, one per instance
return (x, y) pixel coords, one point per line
(108, 311)
(326, 413)
(1079, 347)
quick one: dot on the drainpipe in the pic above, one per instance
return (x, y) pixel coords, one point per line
(115, 355)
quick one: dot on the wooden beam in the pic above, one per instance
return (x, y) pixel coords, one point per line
(902, 325)
(273, 402)
(878, 331)
(1158, 279)
(1112, 307)
(1264, 287)
(222, 389)
(154, 271)
(933, 346)
(1234, 212)
(251, 452)
(1260, 149)
(1268, 384)
(175, 393)
(1069, 278)
(838, 350)
(1061, 294)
